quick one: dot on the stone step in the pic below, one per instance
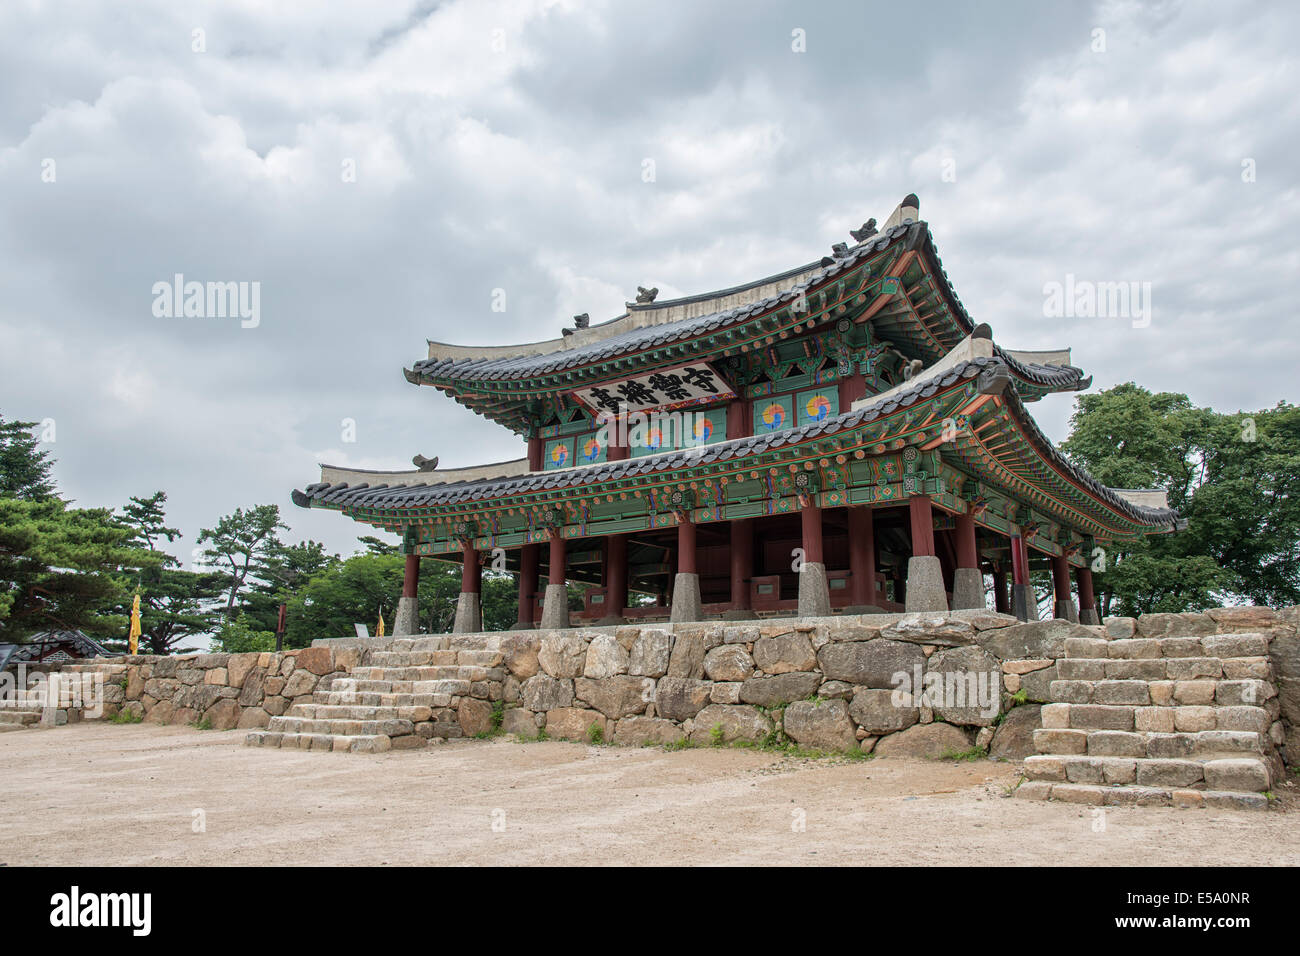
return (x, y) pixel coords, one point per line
(1238, 773)
(343, 728)
(1142, 693)
(442, 658)
(369, 744)
(1156, 720)
(390, 658)
(1205, 745)
(377, 699)
(1147, 648)
(1136, 796)
(359, 712)
(456, 688)
(1160, 668)
(407, 645)
(17, 717)
(427, 673)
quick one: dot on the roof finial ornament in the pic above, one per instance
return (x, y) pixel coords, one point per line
(866, 231)
(425, 464)
(912, 369)
(645, 296)
(840, 250)
(582, 321)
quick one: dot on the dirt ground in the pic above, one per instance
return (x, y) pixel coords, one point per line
(99, 793)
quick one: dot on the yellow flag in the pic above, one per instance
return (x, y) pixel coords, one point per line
(133, 639)
(379, 631)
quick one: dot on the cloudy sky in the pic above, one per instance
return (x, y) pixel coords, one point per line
(381, 168)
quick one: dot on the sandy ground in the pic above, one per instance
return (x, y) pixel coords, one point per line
(108, 794)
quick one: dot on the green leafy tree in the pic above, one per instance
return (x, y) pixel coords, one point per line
(1232, 476)
(352, 592)
(236, 637)
(377, 545)
(24, 470)
(241, 546)
(284, 573)
(175, 604)
(63, 567)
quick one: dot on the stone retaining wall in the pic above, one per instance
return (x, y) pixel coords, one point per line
(223, 691)
(825, 683)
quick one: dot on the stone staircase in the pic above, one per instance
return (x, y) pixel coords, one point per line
(399, 698)
(1168, 721)
(83, 691)
(19, 716)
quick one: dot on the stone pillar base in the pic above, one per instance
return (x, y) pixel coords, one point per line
(1065, 610)
(967, 589)
(555, 607)
(407, 619)
(687, 604)
(1089, 615)
(1022, 603)
(469, 614)
(814, 592)
(925, 591)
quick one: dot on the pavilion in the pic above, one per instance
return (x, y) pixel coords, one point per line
(837, 438)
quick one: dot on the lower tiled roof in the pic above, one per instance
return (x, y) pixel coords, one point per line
(343, 495)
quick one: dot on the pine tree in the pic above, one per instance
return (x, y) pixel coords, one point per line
(24, 471)
(174, 603)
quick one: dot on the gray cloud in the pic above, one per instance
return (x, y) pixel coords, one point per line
(501, 146)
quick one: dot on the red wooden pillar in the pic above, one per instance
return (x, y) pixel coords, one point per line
(686, 598)
(1061, 584)
(738, 423)
(814, 593)
(967, 555)
(811, 516)
(527, 585)
(615, 574)
(471, 572)
(922, 515)
(1021, 595)
(534, 454)
(411, 577)
(555, 573)
(685, 546)
(852, 387)
(1088, 610)
(862, 555)
(967, 578)
(1001, 601)
(742, 562)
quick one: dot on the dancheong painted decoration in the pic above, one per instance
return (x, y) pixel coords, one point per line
(841, 437)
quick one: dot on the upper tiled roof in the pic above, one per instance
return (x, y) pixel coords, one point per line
(522, 362)
(508, 366)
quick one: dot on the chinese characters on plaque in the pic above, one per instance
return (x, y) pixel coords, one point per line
(695, 384)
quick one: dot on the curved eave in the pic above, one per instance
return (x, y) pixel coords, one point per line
(1090, 501)
(925, 320)
(454, 372)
